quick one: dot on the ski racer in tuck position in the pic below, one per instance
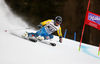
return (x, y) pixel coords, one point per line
(46, 29)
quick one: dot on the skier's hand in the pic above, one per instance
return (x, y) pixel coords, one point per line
(60, 39)
(40, 26)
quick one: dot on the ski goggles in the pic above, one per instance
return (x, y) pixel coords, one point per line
(58, 22)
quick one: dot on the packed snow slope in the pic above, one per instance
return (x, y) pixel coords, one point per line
(16, 50)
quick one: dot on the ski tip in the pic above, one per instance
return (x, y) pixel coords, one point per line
(53, 44)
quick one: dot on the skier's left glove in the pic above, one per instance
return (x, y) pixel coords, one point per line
(60, 39)
(40, 26)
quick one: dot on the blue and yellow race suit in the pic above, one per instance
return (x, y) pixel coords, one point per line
(48, 28)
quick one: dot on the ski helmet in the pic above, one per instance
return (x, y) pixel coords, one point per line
(58, 20)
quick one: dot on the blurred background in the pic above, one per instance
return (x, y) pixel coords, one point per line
(72, 11)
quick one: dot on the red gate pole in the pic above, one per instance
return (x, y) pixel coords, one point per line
(99, 50)
(84, 25)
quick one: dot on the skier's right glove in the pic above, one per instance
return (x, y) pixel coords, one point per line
(40, 26)
(60, 39)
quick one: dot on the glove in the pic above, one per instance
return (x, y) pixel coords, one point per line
(40, 26)
(60, 39)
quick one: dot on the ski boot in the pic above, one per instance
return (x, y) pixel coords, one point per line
(25, 35)
(40, 38)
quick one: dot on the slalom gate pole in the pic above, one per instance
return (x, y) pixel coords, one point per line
(65, 33)
(81, 37)
(84, 25)
(99, 50)
(75, 36)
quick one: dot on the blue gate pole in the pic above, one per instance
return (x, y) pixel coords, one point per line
(75, 36)
(65, 33)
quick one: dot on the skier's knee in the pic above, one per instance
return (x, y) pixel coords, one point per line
(31, 34)
(51, 36)
(36, 34)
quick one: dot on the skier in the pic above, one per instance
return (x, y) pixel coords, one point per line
(46, 29)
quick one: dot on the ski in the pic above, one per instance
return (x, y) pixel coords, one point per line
(33, 39)
(52, 44)
(42, 41)
(29, 38)
(48, 43)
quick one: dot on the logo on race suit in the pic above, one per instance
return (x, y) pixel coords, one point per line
(94, 18)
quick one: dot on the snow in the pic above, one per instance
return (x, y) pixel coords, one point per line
(16, 50)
